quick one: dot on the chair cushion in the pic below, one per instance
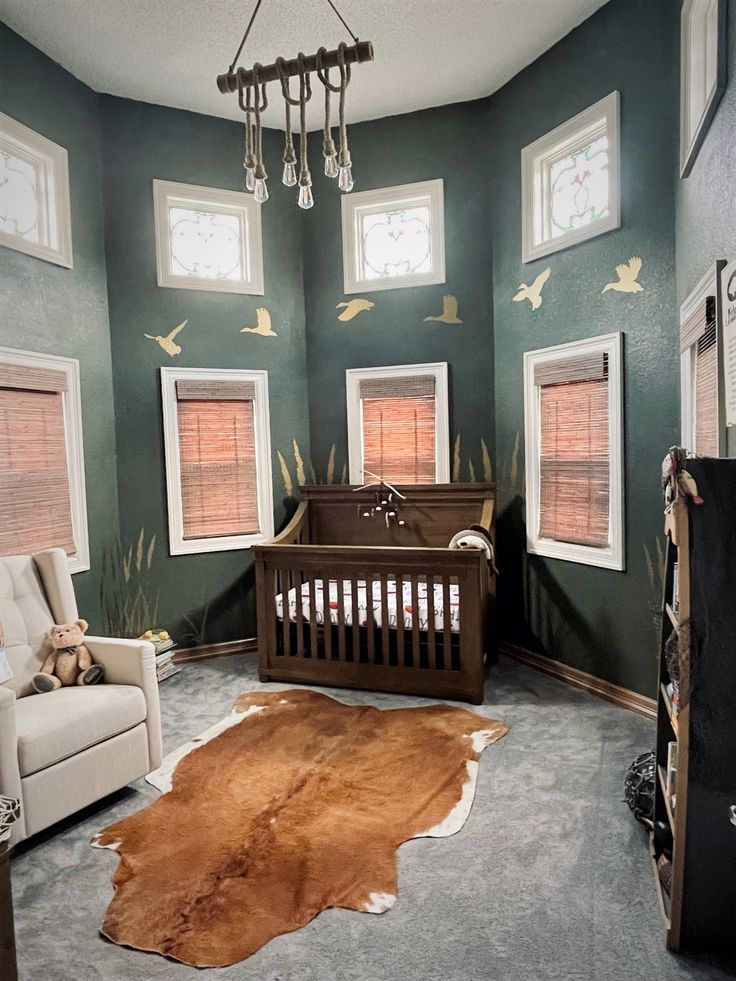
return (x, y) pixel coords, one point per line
(25, 616)
(56, 725)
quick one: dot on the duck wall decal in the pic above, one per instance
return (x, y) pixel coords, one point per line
(263, 324)
(628, 273)
(533, 293)
(449, 311)
(167, 343)
(354, 307)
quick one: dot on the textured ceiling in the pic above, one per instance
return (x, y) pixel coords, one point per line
(428, 52)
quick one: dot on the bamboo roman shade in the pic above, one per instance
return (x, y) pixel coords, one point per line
(217, 455)
(399, 428)
(699, 332)
(574, 450)
(34, 480)
(215, 390)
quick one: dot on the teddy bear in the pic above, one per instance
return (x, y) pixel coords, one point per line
(69, 662)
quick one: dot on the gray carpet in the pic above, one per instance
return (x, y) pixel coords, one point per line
(549, 878)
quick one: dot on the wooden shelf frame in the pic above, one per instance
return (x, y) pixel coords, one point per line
(676, 526)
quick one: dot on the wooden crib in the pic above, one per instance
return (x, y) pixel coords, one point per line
(329, 551)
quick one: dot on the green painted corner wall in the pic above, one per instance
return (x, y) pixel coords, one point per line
(50, 309)
(597, 620)
(449, 143)
(706, 203)
(207, 597)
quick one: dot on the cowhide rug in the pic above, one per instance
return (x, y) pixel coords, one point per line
(293, 804)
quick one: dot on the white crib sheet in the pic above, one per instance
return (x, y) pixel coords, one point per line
(407, 611)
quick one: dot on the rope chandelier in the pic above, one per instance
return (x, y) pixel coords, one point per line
(251, 88)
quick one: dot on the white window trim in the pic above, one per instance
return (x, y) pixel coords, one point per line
(606, 558)
(248, 211)
(178, 545)
(383, 199)
(54, 160)
(72, 403)
(602, 117)
(353, 378)
(713, 39)
(707, 286)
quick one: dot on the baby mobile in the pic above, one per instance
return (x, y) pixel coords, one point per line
(253, 100)
(387, 503)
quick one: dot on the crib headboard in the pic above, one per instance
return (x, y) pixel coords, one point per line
(433, 514)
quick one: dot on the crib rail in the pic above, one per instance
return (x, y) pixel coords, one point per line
(425, 658)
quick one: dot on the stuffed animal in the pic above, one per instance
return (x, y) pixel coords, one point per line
(476, 537)
(69, 663)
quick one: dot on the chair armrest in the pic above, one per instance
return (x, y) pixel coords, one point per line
(9, 771)
(132, 662)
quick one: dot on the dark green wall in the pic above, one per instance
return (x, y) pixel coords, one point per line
(143, 142)
(46, 308)
(597, 620)
(706, 202)
(451, 143)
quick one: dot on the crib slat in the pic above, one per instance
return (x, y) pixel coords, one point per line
(313, 638)
(340, 618)
(415, 647)
(431, 639)
(370, 624)
(400, 620)
(327, 618)
(355, 618)
(299, 613)
(446, 614)
(384, 619)
(284, 580)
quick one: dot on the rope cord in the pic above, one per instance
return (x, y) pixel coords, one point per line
(247, 109)
(247, 32)
(260, 103)
(324, 76)
(289, 154)
(305, 94)
(344, 82)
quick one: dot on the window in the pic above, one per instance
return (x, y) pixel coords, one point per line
(41, 457)
(207, 239)
(701, 427)
(702, 73)
(574, 455)
(393, 237)
(218, 458)
(570, 181)
(35, 213)
(398, 425)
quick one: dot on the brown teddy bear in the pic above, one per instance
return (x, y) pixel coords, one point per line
(69, 663)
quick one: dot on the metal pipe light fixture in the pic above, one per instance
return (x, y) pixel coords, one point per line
(251, 88)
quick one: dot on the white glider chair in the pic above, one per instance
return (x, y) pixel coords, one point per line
(63, 750)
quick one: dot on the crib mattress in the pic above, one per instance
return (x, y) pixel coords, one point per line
(398, 608)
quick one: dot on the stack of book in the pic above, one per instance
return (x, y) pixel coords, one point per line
(164, 646)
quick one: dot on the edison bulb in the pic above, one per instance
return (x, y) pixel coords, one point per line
(260, 191)
(345, 180)
(331, 167)
(289, 176)
(306, 199)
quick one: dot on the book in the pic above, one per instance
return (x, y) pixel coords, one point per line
(676, 588)
(671, 775)
(160, 638)
(164, 658)
(168, 671)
